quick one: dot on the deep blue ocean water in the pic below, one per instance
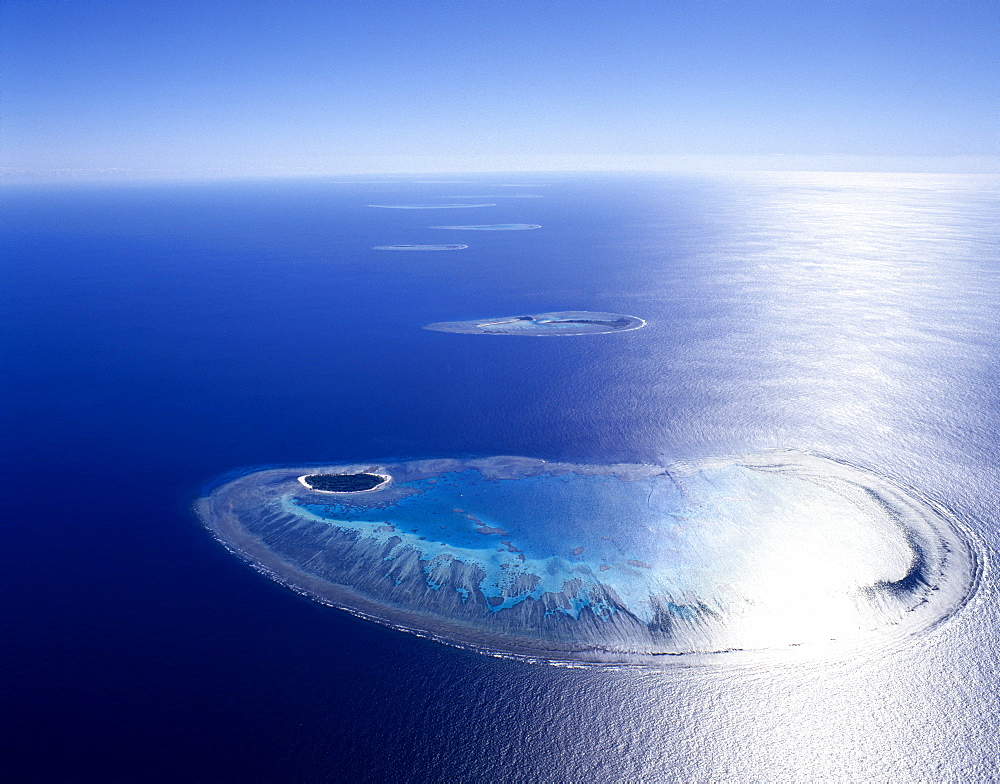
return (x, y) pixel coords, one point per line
(155, 337)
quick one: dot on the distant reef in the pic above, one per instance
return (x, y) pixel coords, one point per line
(566, 322)
(428, 206)
(420, 247)
(494, 227)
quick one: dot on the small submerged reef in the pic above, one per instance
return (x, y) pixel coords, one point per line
(420, 247)
(567, 322)
(428, 206)
(494, 227)
(606, 564)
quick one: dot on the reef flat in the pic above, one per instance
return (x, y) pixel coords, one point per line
(618, 563)
(494, 227)
(566, 322)
(420, 247)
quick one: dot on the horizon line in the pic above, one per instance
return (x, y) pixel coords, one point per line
(984, 165)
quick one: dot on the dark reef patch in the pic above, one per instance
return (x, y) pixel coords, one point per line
(344, 483)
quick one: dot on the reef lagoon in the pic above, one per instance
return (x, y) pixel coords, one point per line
(566, 322)
(618, 563)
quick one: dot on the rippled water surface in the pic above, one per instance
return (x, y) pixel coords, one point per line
(160, 336)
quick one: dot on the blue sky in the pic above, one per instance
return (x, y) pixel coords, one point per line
(209, 88)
